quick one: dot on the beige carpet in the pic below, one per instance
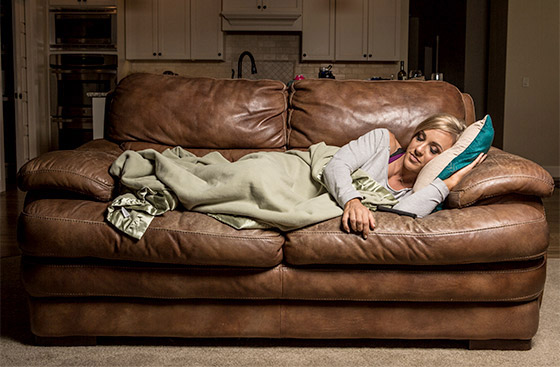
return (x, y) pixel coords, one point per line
(16, 349)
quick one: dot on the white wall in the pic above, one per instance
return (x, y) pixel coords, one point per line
(532, 113)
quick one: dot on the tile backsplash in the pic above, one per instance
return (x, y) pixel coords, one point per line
(277, 56)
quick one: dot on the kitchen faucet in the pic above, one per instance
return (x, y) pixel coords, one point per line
(240, 64)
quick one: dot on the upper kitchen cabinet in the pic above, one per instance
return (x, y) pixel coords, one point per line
(82, 2)
(173, 30)
(368, 30)
(207, 38)
(318, 36)
(157, 29)
(261, 15)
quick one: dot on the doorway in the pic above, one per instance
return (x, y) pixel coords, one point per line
(8, 153)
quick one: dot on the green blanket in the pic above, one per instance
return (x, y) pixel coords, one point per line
(280, 190)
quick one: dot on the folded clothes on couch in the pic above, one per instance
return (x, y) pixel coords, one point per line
(280, 190)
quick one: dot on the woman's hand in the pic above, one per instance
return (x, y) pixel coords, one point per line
(357, 217)
(455, 178)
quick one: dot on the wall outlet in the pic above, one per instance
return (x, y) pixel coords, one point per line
(525, 82)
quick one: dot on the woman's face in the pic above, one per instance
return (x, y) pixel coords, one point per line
(425, 146)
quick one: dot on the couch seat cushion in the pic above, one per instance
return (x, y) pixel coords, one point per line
(55, 277)
(507, 230)
(77, 228)
(503, 282)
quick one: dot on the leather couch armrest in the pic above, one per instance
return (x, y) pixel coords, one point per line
(500, 174)
(84, 171)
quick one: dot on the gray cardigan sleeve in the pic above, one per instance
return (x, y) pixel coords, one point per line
(337, 173)
(425, 200)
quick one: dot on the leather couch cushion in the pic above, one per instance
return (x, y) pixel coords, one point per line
(62, 278)
(337, 112)
(513, 281)
(77, 228)
(84, 171)
(501, 173)
(506, 230)
(199, 112)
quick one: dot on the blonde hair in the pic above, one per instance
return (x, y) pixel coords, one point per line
(445, 122)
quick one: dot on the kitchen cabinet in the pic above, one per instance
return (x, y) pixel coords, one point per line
(173, 30)
(261, 15)
(207, 38)
(368, 30)
(83, 2)
(157, 29)
(318, 30)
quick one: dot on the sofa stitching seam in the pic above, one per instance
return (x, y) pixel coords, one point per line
(107, 184)
(506, 177)
(389, 234)
(514, 271)
(89, 294)
(71, 220)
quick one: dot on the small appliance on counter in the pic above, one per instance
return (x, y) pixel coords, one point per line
(325, 72)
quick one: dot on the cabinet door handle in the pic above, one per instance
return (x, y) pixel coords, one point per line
(304, 55)
(370, 55)
(264, 6)
(258, 6)
(155, 54)
(219, 54)
(365, 55)
(159, 53)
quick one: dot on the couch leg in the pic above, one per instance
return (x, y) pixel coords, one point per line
(500, 344)
(65, 341)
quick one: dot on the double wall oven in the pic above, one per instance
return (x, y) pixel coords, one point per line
(83, 59)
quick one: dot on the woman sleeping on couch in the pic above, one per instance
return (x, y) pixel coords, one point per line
(289, 190)
(382, 157)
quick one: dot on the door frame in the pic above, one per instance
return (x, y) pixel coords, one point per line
(30, 53)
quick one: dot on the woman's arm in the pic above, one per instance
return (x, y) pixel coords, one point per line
(424, 201)
(455, 178)
(337, 173)
(338, 180)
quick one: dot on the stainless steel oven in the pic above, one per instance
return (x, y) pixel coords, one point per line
(85, 27)
(73, 76)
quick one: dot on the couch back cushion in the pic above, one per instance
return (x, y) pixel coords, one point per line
(337, 112)
(198, 112)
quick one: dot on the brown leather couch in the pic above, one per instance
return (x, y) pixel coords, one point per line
(474, 271)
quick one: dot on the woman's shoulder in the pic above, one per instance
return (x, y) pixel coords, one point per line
(384, 136)
(393, 142)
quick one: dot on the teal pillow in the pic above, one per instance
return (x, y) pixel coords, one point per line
(480, 144)
(477, 138)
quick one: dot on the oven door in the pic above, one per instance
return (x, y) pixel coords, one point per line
(71, 108)
(70, 133)
(77, 29)
(70, 88)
